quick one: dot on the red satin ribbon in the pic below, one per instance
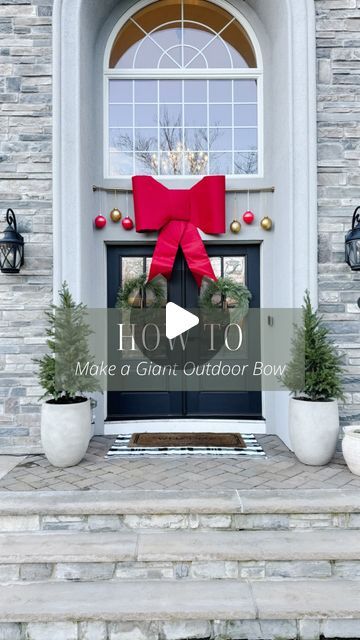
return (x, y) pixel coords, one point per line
(178, 214)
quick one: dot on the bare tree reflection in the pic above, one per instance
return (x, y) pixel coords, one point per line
(177, 156)
(246, 162)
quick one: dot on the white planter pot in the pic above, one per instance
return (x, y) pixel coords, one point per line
(65, 432)
(314, 430)
(351, 448)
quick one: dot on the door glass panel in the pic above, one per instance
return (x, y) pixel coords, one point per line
(228, 267)
(234, 268)
(160, 280)
(131, 268)
(216, 265)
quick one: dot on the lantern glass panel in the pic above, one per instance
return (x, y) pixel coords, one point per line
(354, 254)
(10, 257)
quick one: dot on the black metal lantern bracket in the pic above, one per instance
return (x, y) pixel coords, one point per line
(11, 246)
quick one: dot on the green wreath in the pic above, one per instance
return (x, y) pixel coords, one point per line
(137, 290)
(218, 292)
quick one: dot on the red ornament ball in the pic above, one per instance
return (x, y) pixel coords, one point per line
(248, 217)
(100, 222)
(127, 223)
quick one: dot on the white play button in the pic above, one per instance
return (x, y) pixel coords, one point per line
(178, 320)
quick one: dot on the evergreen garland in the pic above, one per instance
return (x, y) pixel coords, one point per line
(142, 287)
(314, 372)
(225, 288)
(68, 334)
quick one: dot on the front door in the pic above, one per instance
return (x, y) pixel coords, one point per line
(238, 262)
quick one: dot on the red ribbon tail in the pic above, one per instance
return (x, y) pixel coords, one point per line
(195, 254)
(166, 249)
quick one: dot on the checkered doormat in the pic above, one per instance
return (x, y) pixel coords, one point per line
(121, 448)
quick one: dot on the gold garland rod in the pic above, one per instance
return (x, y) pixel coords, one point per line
(232, 189)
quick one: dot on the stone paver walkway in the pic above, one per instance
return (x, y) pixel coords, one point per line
(279, 470)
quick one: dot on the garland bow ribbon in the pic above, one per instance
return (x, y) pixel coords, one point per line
(178, 214)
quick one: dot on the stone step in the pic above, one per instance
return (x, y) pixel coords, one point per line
(124, 555)
(158, 600)
(147, 546)
(114, 510)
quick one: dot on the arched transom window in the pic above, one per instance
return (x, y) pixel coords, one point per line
(183, 89)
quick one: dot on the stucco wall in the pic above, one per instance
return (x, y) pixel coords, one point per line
(25, 50)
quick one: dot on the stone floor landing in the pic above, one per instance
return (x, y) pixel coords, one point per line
(279, 470)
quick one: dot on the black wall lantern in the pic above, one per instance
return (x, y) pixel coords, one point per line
(352, 243)
(11, 246)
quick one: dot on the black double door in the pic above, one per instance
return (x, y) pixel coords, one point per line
(239, 262)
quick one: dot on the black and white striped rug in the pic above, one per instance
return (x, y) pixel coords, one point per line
(120, 448)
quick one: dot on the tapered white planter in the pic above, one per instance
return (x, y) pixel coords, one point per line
(351, 448)
(314, 430)
(65, 432)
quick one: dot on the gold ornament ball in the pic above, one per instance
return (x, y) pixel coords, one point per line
(235, 226)
(266, 223)
(115, 215)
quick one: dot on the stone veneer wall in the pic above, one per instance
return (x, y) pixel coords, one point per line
(25, 185)
(338, 54)
(25, 168)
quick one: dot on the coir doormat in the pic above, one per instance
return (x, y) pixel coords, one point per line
(187, 440)
(121, 448)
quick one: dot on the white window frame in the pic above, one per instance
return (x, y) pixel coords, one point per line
(179, 74)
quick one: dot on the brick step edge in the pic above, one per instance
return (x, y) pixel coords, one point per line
(301, 629)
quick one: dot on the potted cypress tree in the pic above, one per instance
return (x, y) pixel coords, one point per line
(66, 414)
(314, 378)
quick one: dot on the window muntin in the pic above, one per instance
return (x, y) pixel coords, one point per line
(180, 125)
(186, 34)
(190, 137)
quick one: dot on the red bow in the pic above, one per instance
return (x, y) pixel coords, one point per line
(179, 213)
